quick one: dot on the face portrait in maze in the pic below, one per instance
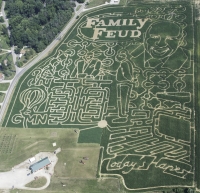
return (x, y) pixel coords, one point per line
(163, 39)
(137, 76)
(163, 44)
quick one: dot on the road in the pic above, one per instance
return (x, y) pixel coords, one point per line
(37, 59)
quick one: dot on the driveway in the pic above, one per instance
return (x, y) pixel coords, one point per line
(18, 178)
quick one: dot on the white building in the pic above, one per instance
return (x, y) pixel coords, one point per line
(114, 1)
(32, 159)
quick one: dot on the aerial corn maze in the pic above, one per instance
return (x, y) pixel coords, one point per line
(127, 75)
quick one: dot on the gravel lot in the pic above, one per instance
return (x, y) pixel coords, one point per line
(18, 178)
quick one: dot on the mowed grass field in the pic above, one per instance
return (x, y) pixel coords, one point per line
(4, 86)
(92, 135)
(94, 3)
(37, 183)
(2, 95)
(77, 177)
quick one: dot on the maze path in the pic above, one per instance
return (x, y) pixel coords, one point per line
(133, 70)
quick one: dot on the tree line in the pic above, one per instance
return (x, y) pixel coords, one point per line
(179, 190)
(35, 23)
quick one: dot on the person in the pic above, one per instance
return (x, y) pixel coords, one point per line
(163, 47)
(162, 57)
(123, 78)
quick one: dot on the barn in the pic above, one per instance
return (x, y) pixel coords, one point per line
(40, 164)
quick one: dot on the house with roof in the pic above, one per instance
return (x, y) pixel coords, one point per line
(32, 159)
(114, 2)
(40, 165)
(5, 62)
(22, 52)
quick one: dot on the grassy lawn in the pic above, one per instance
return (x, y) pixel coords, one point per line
(2, 95)
(29, 142)
(4, 55)
(4, 86)
(71, 167)
(27, 57)
(90, 135)
(94, 3)
(78, 7)
(41, 181)
(3, 39)
(80, 186)
(12, 70)
(123, 2)
(78, 177)
(3, 52)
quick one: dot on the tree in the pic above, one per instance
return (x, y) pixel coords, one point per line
(43, 17)
(35, 23)
(4, 67)
(19, 64)
(80, 1)
(4, 30)
(7, 73)
(1, 19)
(190, 190)
(40, 46)
(17, 51)
(11, 41)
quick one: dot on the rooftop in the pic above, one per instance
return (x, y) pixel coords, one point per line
(40, 164)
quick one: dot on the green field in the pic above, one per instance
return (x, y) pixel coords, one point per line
(92, 135)
(94, 3)
(37, 183)
(2, 95)
(124, 78)
(4, 86)
(4, 40)
(5, 55)
(17, 145)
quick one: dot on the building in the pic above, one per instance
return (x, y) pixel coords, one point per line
(22, 52)
(5, 62)
(39, 165)
(114, 2)
(32, 159)
(54, 144)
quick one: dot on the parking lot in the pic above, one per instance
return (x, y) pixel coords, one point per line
(20, 175)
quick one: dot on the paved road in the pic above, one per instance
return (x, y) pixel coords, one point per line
(37, 59)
